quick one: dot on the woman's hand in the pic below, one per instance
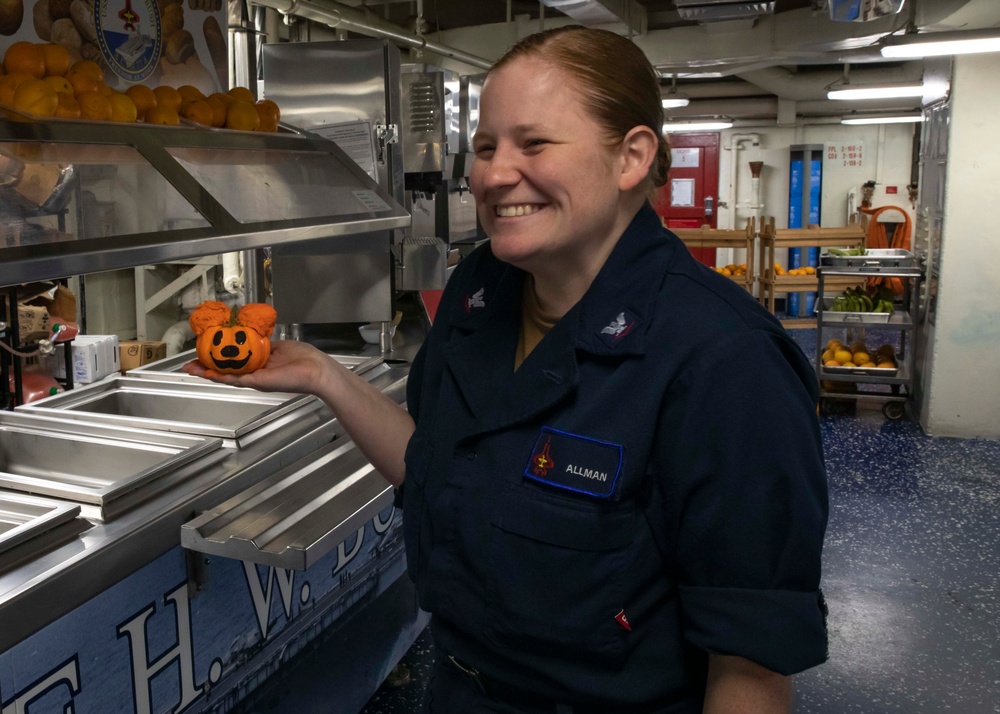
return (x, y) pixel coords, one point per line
(292, 367)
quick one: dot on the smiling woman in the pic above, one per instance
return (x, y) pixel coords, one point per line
(605, 545)
(565, 156)
(588, 529)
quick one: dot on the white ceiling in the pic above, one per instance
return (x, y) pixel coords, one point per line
(775, 64)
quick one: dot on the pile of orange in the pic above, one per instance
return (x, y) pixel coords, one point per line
(734, 270)
(807, 270)
(857, 354)
(779, 269)
(39, 79)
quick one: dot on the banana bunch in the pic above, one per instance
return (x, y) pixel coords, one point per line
(845, 252)
(858, 299)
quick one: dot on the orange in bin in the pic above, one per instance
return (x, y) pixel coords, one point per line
(57, 59)
(26, 57)
(36, 96)
(82, 82)
(143, 98)
(242, 115)
(199, 111)
(163, 115)
(9, 84)
(168, 97)
(68, 107)
(94, 105)
(60, 84)
(189, 93)
(218, 110)
(88, 67)
(123, 109)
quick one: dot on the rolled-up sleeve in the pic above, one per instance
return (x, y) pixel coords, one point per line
(744, 489)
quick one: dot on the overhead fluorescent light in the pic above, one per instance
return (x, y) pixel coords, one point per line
(883, 91)
(674, 99)
(936, 44)
(714, 125)
(895, 119)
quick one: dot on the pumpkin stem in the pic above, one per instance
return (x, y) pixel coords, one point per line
(234, 312)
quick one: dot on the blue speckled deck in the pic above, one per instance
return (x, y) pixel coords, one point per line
(911, 575)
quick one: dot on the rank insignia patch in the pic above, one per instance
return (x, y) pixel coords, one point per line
(620, 326)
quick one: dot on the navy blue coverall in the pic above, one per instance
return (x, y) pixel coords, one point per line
(647, 488)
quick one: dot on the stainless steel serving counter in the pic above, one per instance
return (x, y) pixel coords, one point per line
(37, 590)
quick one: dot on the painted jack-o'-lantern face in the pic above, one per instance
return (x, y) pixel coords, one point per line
(228, 348)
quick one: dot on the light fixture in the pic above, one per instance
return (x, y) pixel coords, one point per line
(875, 91)
(935, 44)
(887, 119)
(711, 125)
(674, 99)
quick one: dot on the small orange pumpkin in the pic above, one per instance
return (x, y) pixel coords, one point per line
(233, 342)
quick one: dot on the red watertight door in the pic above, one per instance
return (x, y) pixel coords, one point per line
(690, 198)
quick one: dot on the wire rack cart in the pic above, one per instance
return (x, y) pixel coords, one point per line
(892, 387)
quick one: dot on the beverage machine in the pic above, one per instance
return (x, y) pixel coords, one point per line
(440, 112)
(409, 127)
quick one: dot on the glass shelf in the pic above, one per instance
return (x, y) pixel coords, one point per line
(76, 197)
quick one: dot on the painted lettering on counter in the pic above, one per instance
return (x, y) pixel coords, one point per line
(65, 675)
(345, 556)
(262, 596)
(143, 669)
(178, 686)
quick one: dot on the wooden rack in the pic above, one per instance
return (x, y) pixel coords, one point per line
(851, 236)
(705, 237)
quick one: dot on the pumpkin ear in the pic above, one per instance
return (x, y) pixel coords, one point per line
(209, 314)
(258, 316)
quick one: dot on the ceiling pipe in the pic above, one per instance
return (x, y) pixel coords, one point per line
(714, 90)
(336, 15)
(602, 12)
(812, 85)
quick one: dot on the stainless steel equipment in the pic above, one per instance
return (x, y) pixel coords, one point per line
(96, 465)
(346, 96)
(204, 408)
(93, 559)
(440, 115)
(170, 368)
(24, 518)
(293, 518)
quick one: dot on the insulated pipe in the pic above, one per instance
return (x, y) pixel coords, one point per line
(340, 16)
(734, 145)
(756, 167)
(232, 277)
(176, 335)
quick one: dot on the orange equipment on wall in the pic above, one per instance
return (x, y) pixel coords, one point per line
(877, 237)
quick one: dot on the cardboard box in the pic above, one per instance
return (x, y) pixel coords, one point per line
(94, 358)
(40, 306)
(136, 353)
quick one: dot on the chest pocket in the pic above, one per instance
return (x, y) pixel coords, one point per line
(558, 566)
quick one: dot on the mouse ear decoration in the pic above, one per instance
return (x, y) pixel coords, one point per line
(209, 314)
(258, 316)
